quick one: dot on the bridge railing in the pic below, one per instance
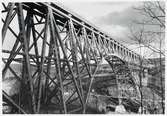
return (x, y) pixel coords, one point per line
(52, 39)
(81, 22)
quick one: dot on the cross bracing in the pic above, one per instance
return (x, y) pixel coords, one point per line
(48, 39)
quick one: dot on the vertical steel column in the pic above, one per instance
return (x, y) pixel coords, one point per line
(50, 53)
(57, 56)
(24, 86)
(87, 47)
(91, 77)
(7, 20)
(68, 64)
(105, 45)
(74, 53)
(99, 45)
(95, 47)
(23, 36)
(102, 47)
(41, 71)
(84, 34)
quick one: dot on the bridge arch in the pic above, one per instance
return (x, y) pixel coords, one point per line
(51, 39)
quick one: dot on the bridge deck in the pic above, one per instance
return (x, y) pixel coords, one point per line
(61, 58)
(63, 14)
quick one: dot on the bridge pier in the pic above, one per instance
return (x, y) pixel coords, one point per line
(56, 51)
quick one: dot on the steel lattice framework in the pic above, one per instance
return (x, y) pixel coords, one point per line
(48, 37)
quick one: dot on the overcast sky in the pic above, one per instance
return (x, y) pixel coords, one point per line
(112, 17)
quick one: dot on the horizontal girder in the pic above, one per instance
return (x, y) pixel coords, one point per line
(60, 56)
(62, 15)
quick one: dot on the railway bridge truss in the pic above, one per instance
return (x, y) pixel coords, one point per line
(58, 53)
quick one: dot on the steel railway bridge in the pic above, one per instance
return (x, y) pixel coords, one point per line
(47, 38)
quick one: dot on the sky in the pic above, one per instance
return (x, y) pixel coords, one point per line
(105, 15)
(114, 18)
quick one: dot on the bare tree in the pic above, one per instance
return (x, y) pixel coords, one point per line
(138, 38)
(152, 31)
(154, 13)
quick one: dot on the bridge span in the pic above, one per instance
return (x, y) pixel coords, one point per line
(60, 55)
